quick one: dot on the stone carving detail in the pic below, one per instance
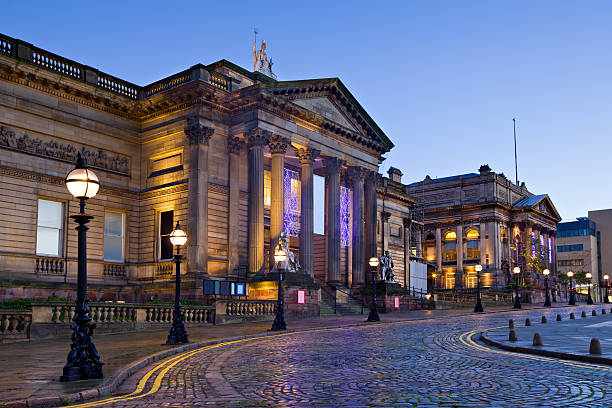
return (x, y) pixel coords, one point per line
(278, 144)
(357, 174)
(386, 268)
(65, 152)
(333, 164)
(198, 134)
(257, 137)
(307, 156)
(234, 144)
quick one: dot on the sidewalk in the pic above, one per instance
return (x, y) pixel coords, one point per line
(31, 370)
(568, 339)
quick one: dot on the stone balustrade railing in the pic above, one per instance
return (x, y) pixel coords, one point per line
(15, 325)
(245, 307)
(116, 270)
(50, 266)
(24, 51)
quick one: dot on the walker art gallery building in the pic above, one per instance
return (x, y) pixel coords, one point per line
(236, 156)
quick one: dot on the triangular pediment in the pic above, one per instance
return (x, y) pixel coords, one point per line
(323, 106)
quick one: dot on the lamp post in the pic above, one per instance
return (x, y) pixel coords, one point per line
(572, 295)
(589, 275)
(517, 297)
(373, 316)
(606, 277)
(478, 308)
(434, 276)
(279, 320)
(178, 333)
(83, 361)
(546, 272)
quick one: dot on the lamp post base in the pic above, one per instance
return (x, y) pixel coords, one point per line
(83, 359)
(279, 324)
(178, 333)
(478, 308)
(547, 302)
(373, 316)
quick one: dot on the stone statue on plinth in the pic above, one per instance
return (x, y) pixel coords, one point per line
(260, 59)
(386, 268)
(292, 264)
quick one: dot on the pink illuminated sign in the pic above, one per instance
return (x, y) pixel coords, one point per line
(301, 297)
(396, 302)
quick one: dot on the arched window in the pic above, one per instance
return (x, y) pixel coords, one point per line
(450, 246)
(473, 237)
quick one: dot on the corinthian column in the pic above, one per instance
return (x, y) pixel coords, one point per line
(332, 167)
(358, 175)
(278, 146)
(307, 157)
(197, 200)
(407, 231)
(234, 145)
(459, 273)
(370, 217)
(257, 139)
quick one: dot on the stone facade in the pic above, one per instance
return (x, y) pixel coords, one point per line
(195, 147)
(483, 218)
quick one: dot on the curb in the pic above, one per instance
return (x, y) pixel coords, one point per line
(547, 353)
(124, 373)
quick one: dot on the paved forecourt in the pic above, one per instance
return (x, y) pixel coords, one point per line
(437, 362)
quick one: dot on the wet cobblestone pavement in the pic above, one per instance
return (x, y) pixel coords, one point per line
(416, 363)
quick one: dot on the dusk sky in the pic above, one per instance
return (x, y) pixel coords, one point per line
(443, 79)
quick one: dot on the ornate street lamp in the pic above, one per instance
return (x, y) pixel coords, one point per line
(589, 275)
(83, 361)
(517, 297)
(178, 333)
(606, 277)
(572, 295)
(546, 272)
(478, 308)
(279, 321)
(373, 316)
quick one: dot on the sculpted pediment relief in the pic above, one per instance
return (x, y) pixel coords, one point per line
(323, 106)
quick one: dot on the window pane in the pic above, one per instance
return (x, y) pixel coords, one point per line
(49, 214)
(113, 223)
(113, 248)
(47, 241)
(166, 221)
(166, 248)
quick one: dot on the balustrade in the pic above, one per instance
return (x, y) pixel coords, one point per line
(6, 46)
(247, 307)
(15, 325)
(118, 86)
(164, 270)
(56, 63)
(168, 83)
(220, 81)
(50, 266)
(114, 270)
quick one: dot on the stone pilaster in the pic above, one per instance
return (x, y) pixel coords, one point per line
(257, 139)
(439, 249)
(459, 273)
(407, 232)
(333, 165)
(234, 146)
(307, 158)
(370, 218)
(497, 244)
(278, 146)
(483, 249)
(357, 175)
(384, 220)
(197, 201)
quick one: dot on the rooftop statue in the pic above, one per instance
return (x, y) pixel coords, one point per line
(260, 59)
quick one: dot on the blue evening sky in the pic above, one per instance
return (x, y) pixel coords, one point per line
(443, 79)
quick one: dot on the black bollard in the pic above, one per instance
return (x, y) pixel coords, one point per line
(595, 346)
(558, 317)
(511, 324)
(512, 336)
(544, 319)
(527, 322)
(537, 339)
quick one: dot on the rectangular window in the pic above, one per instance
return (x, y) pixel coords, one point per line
(571, 262)
(114, 227)
(49, 228)
(166, 224)
(570, 248)
(472, 250)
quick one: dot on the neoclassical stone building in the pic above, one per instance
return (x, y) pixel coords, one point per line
(236, 156)
(484, 218)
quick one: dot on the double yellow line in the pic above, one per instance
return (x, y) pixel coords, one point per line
(467, 339)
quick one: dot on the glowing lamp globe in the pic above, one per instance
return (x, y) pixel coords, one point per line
(516, 270)
(280, 255)
(546, 272)
(81, 181)
(589, 275)
(373, 262)
(478, 268)
(178, 237)
(570, 274)
(606, 276)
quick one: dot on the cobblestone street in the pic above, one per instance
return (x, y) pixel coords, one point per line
(421, 363)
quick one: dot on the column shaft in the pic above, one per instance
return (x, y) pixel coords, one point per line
(439, 249)
(197, 200)
(358, 175)
(257, 140)
(278, 146)
(407, 237)
(307, 157)
(333, 166)
(370, 218)
(234, 146)
(459, 273)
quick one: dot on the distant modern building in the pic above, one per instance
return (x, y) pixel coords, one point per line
(484, 218)
(603, 234)
(577, 248)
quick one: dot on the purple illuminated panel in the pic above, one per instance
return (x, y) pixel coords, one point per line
(550, 249)
(345, 216)
(291, 219)
(533, 251)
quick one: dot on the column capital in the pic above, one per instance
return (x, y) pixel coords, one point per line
(278, 144)
(357, 174)
(234, 144)
(407, 222)
(198, 134)
(371, 177)
(257, 137)
(307, 155)
(333, 164)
